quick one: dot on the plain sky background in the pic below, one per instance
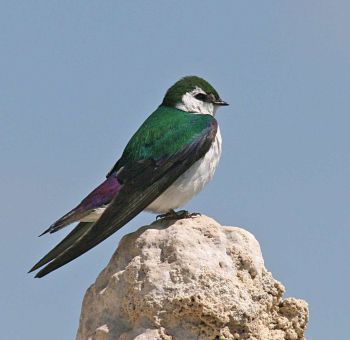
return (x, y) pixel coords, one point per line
(77, 78)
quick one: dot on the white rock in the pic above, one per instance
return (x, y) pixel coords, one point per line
(189, 279)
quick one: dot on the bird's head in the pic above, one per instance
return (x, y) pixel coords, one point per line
(193, 94)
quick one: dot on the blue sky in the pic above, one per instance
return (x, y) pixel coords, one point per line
(78, 78)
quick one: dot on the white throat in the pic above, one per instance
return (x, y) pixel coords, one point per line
(191, 104)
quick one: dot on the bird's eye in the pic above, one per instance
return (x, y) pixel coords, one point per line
(201, 96)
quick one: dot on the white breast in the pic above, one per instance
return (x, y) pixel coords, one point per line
(191, 182)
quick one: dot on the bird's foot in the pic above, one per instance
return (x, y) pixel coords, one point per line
(176, 215)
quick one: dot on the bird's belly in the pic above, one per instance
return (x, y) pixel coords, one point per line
(190, 182)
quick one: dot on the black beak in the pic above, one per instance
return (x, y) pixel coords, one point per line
(220, 102)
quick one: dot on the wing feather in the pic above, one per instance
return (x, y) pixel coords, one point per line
(72, 237)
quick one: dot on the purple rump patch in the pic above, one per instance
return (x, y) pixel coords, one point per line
(102, 195)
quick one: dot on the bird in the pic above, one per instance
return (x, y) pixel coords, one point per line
(168, 160)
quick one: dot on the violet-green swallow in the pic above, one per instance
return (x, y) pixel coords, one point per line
(169, 159)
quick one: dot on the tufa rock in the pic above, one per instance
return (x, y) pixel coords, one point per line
(189, 279)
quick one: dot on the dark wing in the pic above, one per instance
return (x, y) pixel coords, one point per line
(68, 241)
(142, 182)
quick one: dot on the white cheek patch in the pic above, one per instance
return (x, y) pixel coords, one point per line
(191, 104)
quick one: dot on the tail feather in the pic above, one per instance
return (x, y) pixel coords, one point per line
(76, 233)
(60, 258)
(71, 217)
(99, 197)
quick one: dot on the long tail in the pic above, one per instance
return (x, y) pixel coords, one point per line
(75, 234)
(73, 216)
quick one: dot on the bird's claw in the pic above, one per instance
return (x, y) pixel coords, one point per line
(176, 215)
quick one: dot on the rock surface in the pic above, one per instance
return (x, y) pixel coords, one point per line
(189, 279)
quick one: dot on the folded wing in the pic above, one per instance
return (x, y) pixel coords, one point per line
(142, 181)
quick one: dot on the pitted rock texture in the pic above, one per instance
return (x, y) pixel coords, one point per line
(189, 279)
